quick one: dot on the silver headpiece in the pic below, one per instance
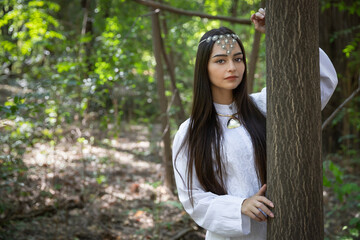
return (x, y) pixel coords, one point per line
(226, 41)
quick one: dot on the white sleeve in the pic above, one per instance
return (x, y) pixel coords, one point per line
(328, 78)
(328, 82)
(260, 100)
(220, 214)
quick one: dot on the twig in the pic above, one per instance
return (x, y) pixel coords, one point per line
(5, 122)
(50, 210)
(137, 18)
(192, 13)
(182, 233)
(167, 113)
(326, 122)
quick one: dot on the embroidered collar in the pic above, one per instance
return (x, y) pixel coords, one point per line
(225, 109)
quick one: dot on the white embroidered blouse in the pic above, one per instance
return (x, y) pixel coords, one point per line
(221, 215)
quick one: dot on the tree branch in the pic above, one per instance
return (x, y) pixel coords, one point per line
(50, 210)
(182, 233)
(192, 13)
(326, 122)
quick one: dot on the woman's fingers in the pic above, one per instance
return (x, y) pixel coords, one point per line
(255, 217)
(262, 11)
(265, 201)
(256, 208)
(259, 15)
(261, 206)
(255, 214)
(258, 214)
(258, 19)
(252, 18)
(262, 191)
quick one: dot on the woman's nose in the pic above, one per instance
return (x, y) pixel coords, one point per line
(231, 66)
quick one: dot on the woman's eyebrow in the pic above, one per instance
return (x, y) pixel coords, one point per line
(224, 55)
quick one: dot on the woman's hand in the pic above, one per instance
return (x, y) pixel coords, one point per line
(252, 206)
(259, 20)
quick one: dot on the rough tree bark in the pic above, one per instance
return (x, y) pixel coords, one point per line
(169, 180)
(294, 167)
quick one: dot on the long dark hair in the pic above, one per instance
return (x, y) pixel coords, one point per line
(204, 135)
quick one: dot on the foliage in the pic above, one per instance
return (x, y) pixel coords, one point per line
(341, 179)
(346, 188)
(352, 49)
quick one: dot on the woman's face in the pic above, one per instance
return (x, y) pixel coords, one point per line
(225, 71)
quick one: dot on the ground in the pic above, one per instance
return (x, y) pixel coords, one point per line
(87, 188)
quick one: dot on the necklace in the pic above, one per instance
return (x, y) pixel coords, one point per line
(233, 121)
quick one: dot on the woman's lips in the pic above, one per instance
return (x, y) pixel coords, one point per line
(231, 77)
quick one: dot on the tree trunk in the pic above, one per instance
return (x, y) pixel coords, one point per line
(84, 51)
(167, 158)
(294, 167)
(86, 28)
(253, 60)
(234, 7)
(180, 114)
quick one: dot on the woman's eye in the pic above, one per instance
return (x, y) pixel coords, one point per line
(238, 59)
(220, 61)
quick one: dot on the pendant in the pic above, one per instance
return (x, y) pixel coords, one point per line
(233, 123)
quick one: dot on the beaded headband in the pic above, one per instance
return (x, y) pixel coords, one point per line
(227, 41)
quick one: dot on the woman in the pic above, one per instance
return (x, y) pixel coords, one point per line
(219, 153)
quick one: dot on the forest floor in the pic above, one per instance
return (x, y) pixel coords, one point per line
(88, 189)
(86, 186)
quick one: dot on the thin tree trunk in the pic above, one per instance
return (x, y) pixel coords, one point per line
(167, 158)
(85, 4)
(84, 51)
(253, 60)
(294, 167)
(180, 115)
(116, 113)
(234, 7)
(254, 51)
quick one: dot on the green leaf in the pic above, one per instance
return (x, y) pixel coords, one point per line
(101, 179)
(336, 171)
(174, 204)
(350, 188)
(65, 66)
(354, 232)
(354, 221)
(326, 181)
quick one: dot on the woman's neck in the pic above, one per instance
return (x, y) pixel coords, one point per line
(224, 97)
